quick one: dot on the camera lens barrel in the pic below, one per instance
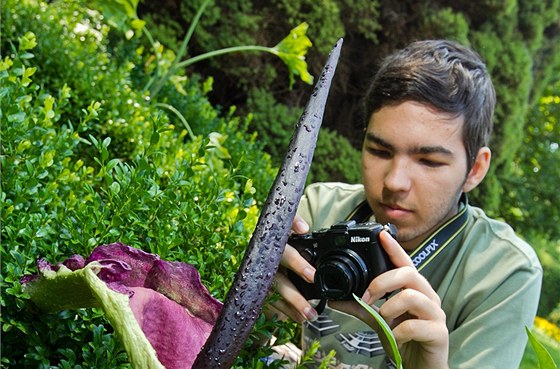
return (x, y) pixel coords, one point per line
(341, 274)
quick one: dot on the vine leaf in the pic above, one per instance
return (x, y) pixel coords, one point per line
(543, 356)
(385, 330)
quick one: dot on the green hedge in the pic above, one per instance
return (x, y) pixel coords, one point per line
(88, 159)
(335, 159)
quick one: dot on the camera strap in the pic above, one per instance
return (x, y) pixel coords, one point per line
(432, 245)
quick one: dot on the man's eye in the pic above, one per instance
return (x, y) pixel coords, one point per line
(379, 153)
(431, 163)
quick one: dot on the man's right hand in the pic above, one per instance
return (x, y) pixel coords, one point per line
(292, 303)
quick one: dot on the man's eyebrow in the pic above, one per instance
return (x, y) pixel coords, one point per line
(371, 137)
(432, 150)
(378, 140)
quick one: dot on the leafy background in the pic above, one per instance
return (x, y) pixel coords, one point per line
(90, 157)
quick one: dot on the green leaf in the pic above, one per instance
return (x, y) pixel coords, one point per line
(27, 42)
(385, 330)
(6, 64)
(27, 72)
(121, 14)
(115, 188)
(544, 357)
(292, 50)
(17, 117)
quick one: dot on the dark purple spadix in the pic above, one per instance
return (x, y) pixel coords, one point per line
(262, 257)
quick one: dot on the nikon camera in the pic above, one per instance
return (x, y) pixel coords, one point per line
(347, 257)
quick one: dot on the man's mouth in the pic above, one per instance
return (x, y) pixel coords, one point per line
(394, 211)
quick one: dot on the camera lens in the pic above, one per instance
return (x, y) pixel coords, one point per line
(341, 274)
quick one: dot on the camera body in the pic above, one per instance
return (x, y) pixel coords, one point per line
(347, 257)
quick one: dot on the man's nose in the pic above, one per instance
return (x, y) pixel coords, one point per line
(398, 176)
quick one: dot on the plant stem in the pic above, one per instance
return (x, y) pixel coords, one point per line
(210, 54)
(227, 50)
(180, 53)
(148, 35)
(255, 275)
(180, 116)
(194, 23)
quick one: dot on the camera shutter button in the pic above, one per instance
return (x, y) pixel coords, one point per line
(308, 255)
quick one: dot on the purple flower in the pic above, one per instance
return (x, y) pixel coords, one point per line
(160, 309)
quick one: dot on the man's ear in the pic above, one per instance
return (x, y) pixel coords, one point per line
(479, 169)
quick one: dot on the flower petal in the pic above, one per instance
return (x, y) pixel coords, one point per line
(181, 283)
(160, 309)
(131, 267)
(176, 335)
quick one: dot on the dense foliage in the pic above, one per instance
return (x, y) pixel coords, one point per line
(532, 189)
(335, 158)
(88, 159)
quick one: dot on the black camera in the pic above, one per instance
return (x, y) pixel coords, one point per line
(347, 257)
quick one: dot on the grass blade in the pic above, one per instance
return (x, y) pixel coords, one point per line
(385, 330)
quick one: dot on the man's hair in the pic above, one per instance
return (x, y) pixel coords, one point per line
(444, 74)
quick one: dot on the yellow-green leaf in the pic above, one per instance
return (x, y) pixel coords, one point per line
(292, 50)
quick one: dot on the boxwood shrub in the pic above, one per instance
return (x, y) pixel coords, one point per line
(88, 159)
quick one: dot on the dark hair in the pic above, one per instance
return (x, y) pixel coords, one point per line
(444, 74)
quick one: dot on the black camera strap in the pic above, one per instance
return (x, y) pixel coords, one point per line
(361, 213)
(432, 245)
(441, 238)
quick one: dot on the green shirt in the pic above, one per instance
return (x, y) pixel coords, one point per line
(488, 280)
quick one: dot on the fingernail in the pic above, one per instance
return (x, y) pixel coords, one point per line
(309, 274)
(302, 226)
(366, 297)
(310, 314)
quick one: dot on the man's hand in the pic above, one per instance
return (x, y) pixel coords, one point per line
(414, 313)
(292, 303)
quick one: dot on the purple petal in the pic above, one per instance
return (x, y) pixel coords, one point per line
(127, 267)
(181, 283)
(134, 263)
(170, 303)
(176, 335)
(44, 266)
(75, 262)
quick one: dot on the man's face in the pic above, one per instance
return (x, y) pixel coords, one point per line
(414, 168)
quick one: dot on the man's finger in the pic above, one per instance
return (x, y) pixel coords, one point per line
(299, 225)
(292, 260)
(396, 253)
(406, 277)
(293, 303)
(412, 303)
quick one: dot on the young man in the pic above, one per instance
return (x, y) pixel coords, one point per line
(464, 286)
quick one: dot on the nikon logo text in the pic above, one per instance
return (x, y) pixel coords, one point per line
(355, 239)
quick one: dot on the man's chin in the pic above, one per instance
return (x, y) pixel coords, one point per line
(406, 238)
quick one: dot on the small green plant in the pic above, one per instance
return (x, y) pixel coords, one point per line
(542, 349)
(308, 357)
(291, 50)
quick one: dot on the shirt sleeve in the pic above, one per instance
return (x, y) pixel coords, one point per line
(324, 204)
